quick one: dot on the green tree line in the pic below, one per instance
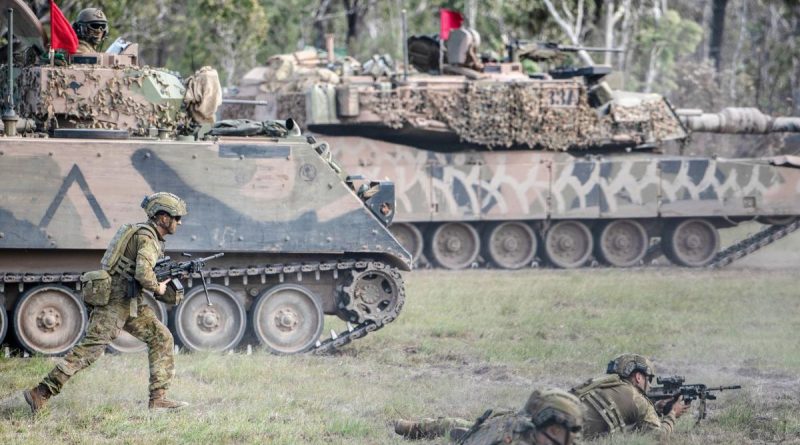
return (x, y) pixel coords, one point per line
(700, 53)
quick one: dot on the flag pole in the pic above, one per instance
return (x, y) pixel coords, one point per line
(405, 47)
(441, 44)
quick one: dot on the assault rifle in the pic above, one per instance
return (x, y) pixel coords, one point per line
(673, 387)
(166, 268)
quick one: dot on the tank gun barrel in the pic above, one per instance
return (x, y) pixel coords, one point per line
(737, 121)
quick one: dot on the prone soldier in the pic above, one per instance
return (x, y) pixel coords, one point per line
(550, 417)
(618, 402)
(117, 304)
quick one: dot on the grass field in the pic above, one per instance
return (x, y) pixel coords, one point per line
(465, 342)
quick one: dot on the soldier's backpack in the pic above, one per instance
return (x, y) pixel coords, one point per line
(96, 284)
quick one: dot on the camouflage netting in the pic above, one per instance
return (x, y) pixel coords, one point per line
(293, 105)
(113, 103)
(521, 113)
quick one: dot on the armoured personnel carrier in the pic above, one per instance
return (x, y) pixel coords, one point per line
(496, 166)
(301, 238)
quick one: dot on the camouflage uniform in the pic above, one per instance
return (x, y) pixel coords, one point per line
(121, 312)
(613, 404)
(85, 47)
(502, 427)
(543, 410)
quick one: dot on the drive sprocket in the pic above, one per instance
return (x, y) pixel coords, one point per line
(375, 293)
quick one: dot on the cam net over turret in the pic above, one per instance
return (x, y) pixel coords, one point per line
(481, 102)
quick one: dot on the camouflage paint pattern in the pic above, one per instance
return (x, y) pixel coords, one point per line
(278, 196)
(525, 185)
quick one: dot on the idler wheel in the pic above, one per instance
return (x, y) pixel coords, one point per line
(510, 245)
(690, 243)
(200, 327)
(568, 244)
(409, 237)
(287, 319)
(49, 319)
(454, 245)
(622, 243)
(125, 342)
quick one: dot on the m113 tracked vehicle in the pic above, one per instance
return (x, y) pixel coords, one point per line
(93, 136)
(495, 166)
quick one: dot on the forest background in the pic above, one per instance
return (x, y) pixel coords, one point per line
(704, 54)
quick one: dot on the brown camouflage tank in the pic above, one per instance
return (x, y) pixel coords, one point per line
(495, 167)
(301, 238)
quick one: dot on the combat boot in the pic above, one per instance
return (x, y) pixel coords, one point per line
(37, 397)
(408, 429)
(159, 400)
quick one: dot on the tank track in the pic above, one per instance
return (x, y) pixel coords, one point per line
(328, 345)
(751, 244)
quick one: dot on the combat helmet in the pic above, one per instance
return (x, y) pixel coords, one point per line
(627, 364)
(91, 25)
(555, 406)
(164, 202)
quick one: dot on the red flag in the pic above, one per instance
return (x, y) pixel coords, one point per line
(448, 20)
(62, 36)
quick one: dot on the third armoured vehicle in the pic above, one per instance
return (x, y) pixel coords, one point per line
(97, 132)
(496, 166)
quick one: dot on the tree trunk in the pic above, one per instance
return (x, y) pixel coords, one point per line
(736, 56)
(717, 32)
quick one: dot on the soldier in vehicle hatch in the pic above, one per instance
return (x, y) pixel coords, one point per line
(91, 27)
(616, 402)
(116, 297)
(550, 417)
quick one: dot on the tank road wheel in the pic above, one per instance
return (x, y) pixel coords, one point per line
(455, 245)
(49, 319)
(287, 319)
(126, 342)
(568, 244)
(622, 243)
(776, 220)
(375, 294)
(410, 238)
(201, 327)
(691, 243)
(510, 245)
(3, 323)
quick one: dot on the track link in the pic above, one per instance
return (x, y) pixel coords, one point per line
(753, 243)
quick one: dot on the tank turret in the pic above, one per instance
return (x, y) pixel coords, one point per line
(498, 167)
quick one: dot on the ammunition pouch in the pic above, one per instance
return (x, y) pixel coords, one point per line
(174, 293)
(96, 287)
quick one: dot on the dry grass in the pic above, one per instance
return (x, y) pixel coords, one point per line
(466, 341)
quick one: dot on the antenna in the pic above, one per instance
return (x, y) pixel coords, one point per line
(9, 116)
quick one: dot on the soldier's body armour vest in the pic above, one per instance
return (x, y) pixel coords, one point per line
(114, 260)
(590, 393)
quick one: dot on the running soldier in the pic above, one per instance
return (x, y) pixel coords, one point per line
(116, 295)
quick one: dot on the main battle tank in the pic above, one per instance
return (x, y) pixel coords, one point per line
(301, 238)
(495, 166)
